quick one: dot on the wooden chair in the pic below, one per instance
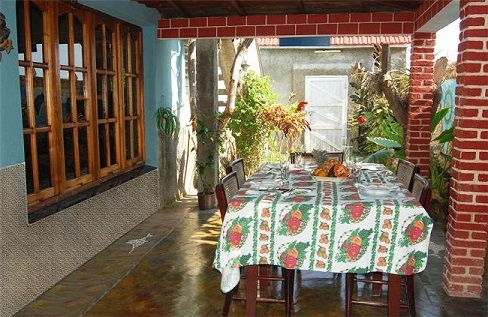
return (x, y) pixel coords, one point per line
(237, 166)
(423, 192)
(227, 188)
(405, 171)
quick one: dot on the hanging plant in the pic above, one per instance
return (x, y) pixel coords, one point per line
(167, 122)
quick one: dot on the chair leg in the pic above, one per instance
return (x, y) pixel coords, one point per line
(228, 301)
(349, 289)
(289, 288)
(409, 281)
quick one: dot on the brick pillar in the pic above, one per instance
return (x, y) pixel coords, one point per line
(420, 100)
(467, 228)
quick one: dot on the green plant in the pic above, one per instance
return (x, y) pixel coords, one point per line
(250, 135)
(205, 162)
(167, 122)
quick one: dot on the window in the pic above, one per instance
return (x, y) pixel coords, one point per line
(81, 98)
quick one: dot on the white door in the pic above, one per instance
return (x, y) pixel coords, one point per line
(326, 112)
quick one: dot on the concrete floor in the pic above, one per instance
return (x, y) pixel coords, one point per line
(171, 275)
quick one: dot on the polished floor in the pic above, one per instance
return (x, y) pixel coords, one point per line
(163, 267)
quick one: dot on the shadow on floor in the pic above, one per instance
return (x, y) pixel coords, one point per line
(163, 267)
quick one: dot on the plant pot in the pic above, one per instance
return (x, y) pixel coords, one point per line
(206, 201)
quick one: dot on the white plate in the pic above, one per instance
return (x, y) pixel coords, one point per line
(328, 179)
(374, 190)
(371, 166)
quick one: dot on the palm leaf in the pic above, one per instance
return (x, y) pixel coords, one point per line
(384, 142)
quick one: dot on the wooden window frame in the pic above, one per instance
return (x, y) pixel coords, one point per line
(82, 106)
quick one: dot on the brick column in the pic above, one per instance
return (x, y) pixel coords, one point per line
(420, 100)
(467, 229)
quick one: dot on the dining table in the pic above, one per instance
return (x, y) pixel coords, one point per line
(367, 222)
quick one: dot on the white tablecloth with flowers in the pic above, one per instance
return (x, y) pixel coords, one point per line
(322, 226)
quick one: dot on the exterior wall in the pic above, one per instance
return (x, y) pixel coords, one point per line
(287, 67)
(35, 257)
(467, 228)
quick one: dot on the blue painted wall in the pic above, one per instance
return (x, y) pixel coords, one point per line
(11, 141)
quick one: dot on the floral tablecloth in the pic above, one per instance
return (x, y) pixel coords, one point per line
(322, 226)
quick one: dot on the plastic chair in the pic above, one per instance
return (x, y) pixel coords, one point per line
(227, 188)
(238, 167)
(405, 171)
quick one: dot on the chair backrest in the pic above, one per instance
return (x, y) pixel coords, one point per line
(421, 190)
(405, 172)
(238, 167)
(224, 190)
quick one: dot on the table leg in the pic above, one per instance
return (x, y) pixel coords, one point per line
(251, 289)
(394, 289)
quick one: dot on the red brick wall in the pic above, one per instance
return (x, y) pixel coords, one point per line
(288, 25)
(467, 230)
(420, 100)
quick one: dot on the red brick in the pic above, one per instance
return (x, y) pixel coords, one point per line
(474, 124)
(236, 20)
(467, 279)
(467, 261)
(285, 30)
(475, 290)
(369, 28)
(266, 30)
(217, 21)
(338, 18)
(296, 19)
(349, 28)
(382, 16)
(276, 19)
(198, 22)
(327, 29)
(476, 271)
(479, 235)
(256, 20)
(163, 23)
(391, 28)
(477, 253)
(207, 32)
(468, 226)
(318, 18)
(306, 29)
(226, 31)
(189, 33)
(474, 9)
(246, 31)
(180, 23)
(361, 17)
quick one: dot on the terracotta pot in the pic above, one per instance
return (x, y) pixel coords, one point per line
(206, 201)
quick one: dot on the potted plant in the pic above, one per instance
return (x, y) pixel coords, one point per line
(206, 165)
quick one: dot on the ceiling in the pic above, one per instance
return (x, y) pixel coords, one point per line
(170, 9)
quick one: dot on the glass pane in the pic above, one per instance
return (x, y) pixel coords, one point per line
(127, 140)
(80, 97)
(66, 96)
(28, 164)
(98, 46)
(134, 97)
(113, 156)
(108, 43)
(39, 100)
(102, 148)
(110, 97)
(83, 149)
(133, 55)
(20, 30)
(78, 49)
(125, 51)
(43, 160)
(135, 135)
(126, 96)
(23, 99)
(101, 109)
(37, 32)
(63, 29)
(69, 154)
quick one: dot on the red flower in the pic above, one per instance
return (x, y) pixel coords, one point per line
(301, 105)
(362, 120)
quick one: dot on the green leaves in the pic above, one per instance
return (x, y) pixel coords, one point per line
(167, 122)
